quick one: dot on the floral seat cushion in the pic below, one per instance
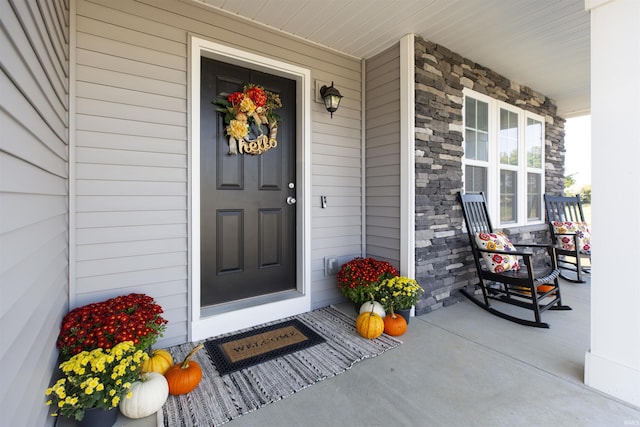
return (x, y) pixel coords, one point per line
(565, 230)
(497, 241)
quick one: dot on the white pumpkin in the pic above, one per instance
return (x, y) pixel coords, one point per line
(377, 308)
(147, 396)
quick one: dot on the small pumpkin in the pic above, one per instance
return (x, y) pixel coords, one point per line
(394, 324)
(147, 396)
(374, 306)
(159, 361)
(184, 377)
(369, 325)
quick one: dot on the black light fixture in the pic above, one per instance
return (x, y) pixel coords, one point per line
(331, 98)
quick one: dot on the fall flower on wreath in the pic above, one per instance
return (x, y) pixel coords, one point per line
(99, 378)
(358, 278)
(252, 105)
(133, 317)
(398, 293)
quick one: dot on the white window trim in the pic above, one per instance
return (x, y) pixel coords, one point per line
(493, 176)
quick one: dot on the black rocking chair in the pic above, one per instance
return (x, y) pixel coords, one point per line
(570, 255)
(534, 286)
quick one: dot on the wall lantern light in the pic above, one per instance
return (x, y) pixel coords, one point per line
(331, 98)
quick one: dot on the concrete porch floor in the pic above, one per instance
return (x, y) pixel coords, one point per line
(461, 366)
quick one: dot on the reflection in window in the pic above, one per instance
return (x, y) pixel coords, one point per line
(534, 196)
(534, 143)
(508, 196)
(508, 137)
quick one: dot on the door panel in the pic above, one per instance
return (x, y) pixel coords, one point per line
(248, 240)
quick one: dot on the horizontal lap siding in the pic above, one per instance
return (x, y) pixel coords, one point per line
(383, 156)
(132, 149)
(33, 201)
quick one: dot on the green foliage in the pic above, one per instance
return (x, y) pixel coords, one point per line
(585, 194)
(569, 180)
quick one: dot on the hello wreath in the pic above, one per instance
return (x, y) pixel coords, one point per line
(246, 115)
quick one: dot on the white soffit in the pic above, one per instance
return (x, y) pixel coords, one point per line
(543, 44)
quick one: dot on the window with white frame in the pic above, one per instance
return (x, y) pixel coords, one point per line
(504, 158)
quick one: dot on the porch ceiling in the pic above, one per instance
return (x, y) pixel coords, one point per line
(543, 44)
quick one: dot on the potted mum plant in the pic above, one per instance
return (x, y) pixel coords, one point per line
(398, 293)
(96, 380)
(358, 278)
(133, 317)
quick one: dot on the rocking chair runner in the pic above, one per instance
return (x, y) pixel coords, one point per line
(528, 286)
(570, 235)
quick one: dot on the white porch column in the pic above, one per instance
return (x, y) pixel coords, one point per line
(613, 363)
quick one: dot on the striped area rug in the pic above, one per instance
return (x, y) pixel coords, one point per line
(219, 399)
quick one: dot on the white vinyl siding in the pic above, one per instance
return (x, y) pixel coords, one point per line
(132, 149)
(383, 156)
(34, 201)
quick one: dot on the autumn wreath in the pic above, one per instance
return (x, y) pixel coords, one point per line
(245, 114)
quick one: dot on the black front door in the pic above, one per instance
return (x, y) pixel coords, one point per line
(247, 226)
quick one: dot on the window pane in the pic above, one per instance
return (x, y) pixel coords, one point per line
(508, 137)
(534, 196)
(470, 144)
(508, 196)
(476, 122)
(534, 143)
(470, 112)
(475, 179)
(482, 146)
(483, 116)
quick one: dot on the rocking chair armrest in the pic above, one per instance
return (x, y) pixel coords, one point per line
(533, 245)
(515, 253)
(551, 251)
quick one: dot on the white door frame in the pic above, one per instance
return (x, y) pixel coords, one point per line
(201, 327)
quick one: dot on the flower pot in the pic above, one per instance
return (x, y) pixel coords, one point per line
(98, 417)
(404, 313)
(357, 306)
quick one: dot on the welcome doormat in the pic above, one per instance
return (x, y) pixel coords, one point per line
(259, 345)
(219, 399)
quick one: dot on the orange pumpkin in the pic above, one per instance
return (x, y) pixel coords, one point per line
(394, 324)
(184, 377)
(545, 288)
(159, 361)
(369, 325)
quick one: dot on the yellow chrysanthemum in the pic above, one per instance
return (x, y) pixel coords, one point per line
(237, 129)
(247, 105)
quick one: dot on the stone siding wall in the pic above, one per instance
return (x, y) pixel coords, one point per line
(443, 257)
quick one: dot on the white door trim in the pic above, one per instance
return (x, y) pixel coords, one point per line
(204, 327)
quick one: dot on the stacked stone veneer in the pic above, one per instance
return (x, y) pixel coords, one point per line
(443, 257)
